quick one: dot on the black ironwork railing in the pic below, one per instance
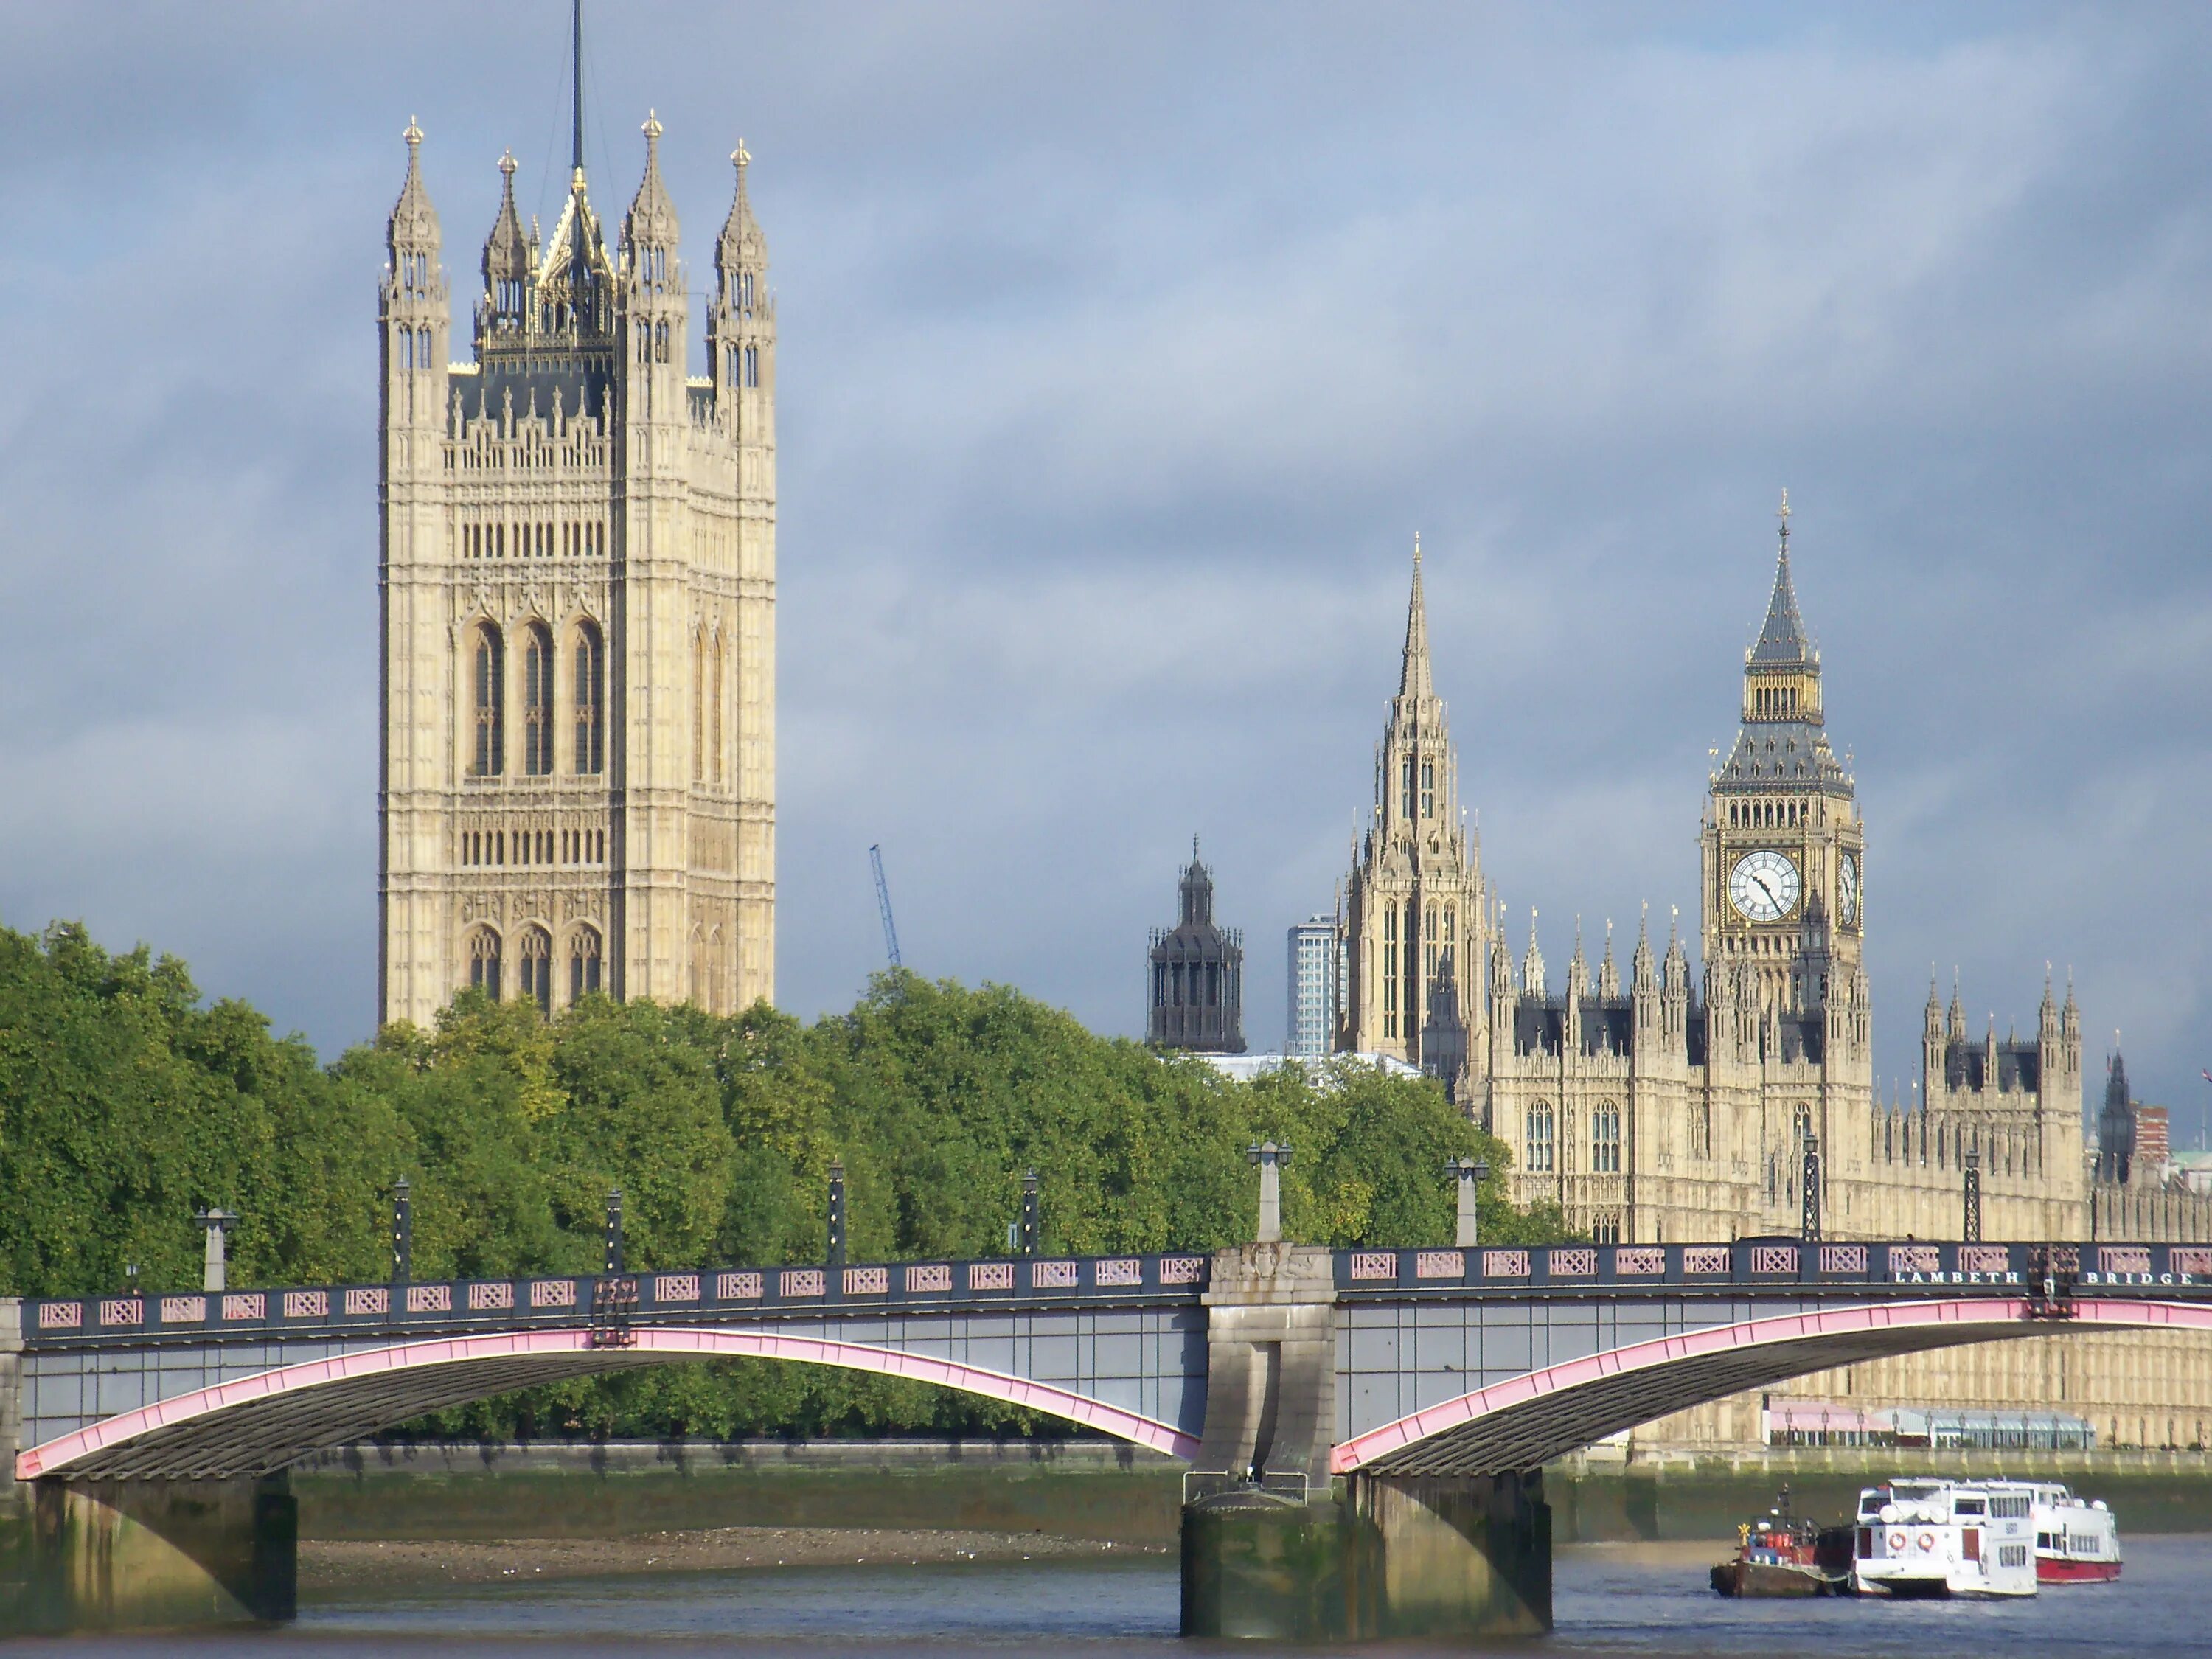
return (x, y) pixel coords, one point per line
(2047, 1276)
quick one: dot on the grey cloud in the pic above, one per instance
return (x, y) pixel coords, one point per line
(1124, 347)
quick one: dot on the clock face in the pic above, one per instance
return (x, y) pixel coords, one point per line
(1764, 885)
(1847, 889)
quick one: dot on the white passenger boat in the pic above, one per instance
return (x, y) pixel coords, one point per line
(2076, 1541)
(1947, 1538)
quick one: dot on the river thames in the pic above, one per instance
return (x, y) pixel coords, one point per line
(1625, 1599)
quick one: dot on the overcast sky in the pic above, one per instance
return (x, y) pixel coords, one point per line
(1123, 349)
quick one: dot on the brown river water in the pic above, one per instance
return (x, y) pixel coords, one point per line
(1610, 1599)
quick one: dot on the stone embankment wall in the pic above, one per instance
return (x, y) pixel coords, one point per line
(1597, 1497)
(1089, 1489)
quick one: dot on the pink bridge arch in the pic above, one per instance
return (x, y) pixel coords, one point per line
(1523, 1423)
(256, 1424)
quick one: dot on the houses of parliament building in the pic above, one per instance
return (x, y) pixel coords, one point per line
(1654, 1105)
(578, 586)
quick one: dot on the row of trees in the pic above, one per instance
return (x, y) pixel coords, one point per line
(126, 1105)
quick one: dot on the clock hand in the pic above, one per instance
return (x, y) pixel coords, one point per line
(1769, 891)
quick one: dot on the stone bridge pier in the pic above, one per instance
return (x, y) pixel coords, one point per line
(81, 1555)
(1274, 1548)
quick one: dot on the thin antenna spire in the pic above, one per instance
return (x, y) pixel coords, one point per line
(576, 134)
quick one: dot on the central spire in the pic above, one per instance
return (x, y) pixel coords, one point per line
(1415, 679)
(1781, 641)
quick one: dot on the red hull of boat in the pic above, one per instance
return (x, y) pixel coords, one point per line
(2076, 1572)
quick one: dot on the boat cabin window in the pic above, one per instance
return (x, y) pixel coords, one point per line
(1870, 1502)
(1966, 1506)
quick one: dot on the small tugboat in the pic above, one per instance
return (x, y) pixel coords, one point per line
(1783, 1554)
(2076, 1541)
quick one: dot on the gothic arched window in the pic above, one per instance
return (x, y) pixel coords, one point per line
(536, 979)
(1406, 786)
(483, 962)
(489, 683)
(591, 699)
(1389, 969)
(583, 964)
(699, 709)
(1605, 1138)
(1541, 1157)
(720, 652)
(1428, 789)
(537, 701)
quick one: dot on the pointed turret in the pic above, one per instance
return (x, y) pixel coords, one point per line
(1955, 1026)
(413, 228)
(649, 228)
(1533, 982)
(1414, 677)
(505, 263)
(741, 323)
(1608, 977)
(1641, 974)
(414, 312)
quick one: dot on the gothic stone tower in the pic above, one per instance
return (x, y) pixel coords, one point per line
(1414, 917)
(1197, 971)
(578, 582)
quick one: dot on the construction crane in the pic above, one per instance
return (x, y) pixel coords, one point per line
(884, 904)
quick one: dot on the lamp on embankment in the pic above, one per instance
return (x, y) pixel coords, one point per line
(214, 1270)
(1471, 1173)
(1271, 1159)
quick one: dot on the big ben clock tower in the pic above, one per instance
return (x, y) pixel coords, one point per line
(1783, 846)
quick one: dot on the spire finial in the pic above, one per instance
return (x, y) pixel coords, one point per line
(1415, 679)
(1784, 515)
(414, 138)
(652, 131)
(741, 158)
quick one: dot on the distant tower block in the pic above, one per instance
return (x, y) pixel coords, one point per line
(1197, 975)
(578, 585)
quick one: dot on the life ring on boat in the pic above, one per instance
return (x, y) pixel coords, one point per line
(1897, 1543)
(1927, 1540)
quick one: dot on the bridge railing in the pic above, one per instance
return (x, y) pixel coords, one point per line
(429, 1307)
(1028, 1284)
(1999, 1268)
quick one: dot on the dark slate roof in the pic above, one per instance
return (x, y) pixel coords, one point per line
(1694, 1035)
(1782, 642)
(1965, 1066)
(1770, 754)
(1804, 1039)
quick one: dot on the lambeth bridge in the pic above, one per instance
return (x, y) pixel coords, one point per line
(1386, 1401)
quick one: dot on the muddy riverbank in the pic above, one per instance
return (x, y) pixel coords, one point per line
(348, 1567)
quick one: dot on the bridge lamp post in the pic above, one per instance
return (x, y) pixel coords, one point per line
(1471, 1172)
(1809, 1226)
(1032, 1231)
(1972, 1230)
(837, 1214)
(215, 1268)
(1271, 1159)
(614, 1260)
(403, 1233)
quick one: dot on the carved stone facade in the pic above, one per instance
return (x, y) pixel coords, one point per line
(1660, 1110)
(578, 586)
